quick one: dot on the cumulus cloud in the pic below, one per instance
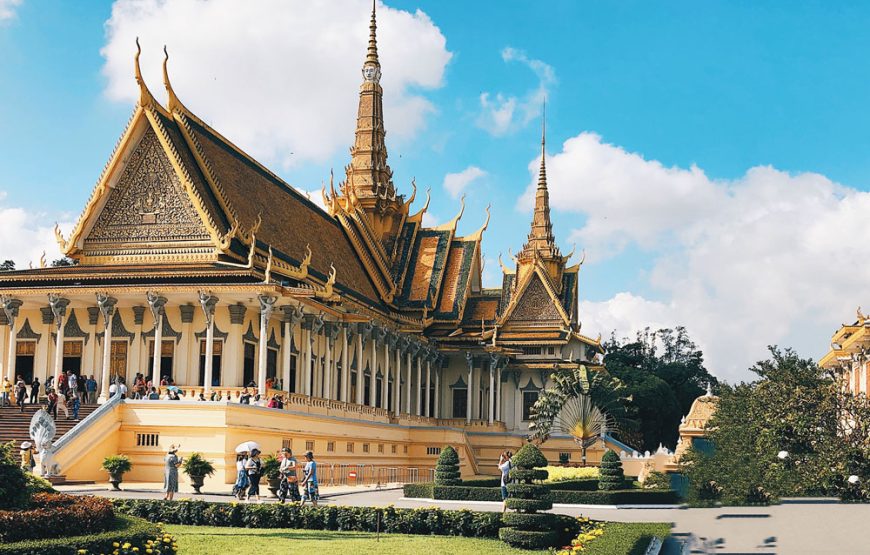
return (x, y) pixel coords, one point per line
(500, 112)
(7, 9)
(278, 78)
(456, 183)
(24, 237)
(768, 258)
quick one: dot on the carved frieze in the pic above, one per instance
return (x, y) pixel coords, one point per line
(536, 304)
(149, 203)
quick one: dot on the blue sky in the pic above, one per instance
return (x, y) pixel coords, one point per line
(720, 86)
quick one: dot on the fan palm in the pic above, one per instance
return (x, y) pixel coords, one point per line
(583, 421)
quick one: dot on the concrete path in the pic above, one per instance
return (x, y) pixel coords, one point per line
(805, 526)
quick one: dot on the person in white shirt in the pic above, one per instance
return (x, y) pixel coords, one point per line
(122, 390)
(113, 389)
(73, 381)
(505, 465)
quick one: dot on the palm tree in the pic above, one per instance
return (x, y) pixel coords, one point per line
(582, 420)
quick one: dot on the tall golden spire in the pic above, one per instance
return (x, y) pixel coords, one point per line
(368, 174)
(541, 239)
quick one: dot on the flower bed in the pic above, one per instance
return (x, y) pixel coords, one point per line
(563, 473)
(614, 538)
(432, 521)
(52, 515)
(123, 529)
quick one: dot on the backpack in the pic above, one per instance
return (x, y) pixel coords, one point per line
(507, 479)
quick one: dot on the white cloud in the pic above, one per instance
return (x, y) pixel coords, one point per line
(430, 219)
(501, 113)
(24, 239)
(456, 183)
(769, 258)
(7, 9)
(278, 78)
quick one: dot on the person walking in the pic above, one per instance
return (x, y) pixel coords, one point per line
(310, 490)
(170, 473)
(254, 467)
(34, 391)
(73, 381)
(76, 404)
(27, 461)
(52, 399)
(5, 392)
(20, 393)
(289, 480)
(242, 481)
(91, 389)
(62, 400)
(504, 465)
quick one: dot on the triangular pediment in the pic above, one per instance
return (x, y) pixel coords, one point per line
(148, 204)
(535, 304)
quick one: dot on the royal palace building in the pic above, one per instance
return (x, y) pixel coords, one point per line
(195, 263)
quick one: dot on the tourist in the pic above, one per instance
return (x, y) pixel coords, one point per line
(170, 472)
(34, 391)
(153, 396)
(505, 465)
(62, 383)
(62, 401)
(122, 389)
(27, 462)
(52, 398)
(6, 392)
(254, 468)
(76, 403)
(309, 480)
(49, 383)
(201, 397)
(241, 476)
(20, 393)
(73, 382)
(245, 399)
(289, 480)
(113, 389)
(82, 389)
(91, 388)
(273, 403)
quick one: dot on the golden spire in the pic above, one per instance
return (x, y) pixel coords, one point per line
(541, 238)
(368, 173)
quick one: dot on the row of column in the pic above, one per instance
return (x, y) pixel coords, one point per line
(495, 363)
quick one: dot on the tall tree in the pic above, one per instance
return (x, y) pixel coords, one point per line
(7, 266)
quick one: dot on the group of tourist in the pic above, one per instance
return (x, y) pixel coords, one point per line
(69, 386)
(249, 471)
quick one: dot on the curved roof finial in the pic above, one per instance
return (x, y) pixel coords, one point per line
(174, 103)
(479, 233)
(451, 225)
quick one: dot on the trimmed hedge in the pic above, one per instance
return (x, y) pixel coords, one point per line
(428, 521)
(52, 515)
(528, 539)
(124, 529)
(610, 474)
(591, 496)
(539, 521)
(447, 468)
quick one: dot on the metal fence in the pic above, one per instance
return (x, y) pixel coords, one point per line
(371, 475)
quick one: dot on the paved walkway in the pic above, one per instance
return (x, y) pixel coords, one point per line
(806, 526)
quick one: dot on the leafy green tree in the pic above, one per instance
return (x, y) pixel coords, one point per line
(663, 373)
(525, 528)
(611, 475)
(65, 261)
(447, 471)
(7, 266)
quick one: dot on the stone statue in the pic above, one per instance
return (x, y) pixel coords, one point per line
(42, 431)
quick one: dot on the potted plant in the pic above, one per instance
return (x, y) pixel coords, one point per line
(272, 471)
(197, 468)
(117, 466)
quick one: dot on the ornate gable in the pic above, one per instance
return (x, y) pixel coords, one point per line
(536, 304)
(148, 205)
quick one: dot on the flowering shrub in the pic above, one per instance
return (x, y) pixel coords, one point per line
(161, 544)
(52, 515)
(590, 531)
(564, 473)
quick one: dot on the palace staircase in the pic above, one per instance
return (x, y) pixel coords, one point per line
(15, 425)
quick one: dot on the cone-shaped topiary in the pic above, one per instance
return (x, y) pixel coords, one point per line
(525, 528)
(447, 468)
(610, 475)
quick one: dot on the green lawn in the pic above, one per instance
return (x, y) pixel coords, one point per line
(620, 539)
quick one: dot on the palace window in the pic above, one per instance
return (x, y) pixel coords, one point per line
(248, 364)
(406, 449)
(330, 446)
(119, 359)
(287, 443)
(433, 450)
(147, 440)
(380, 447)
(529, 399)
(271, 363)
(217, 351)
(393, 449)
(167, 348)
(531, 350)
(350, 447)
(25, 352)
(365, 447)
(309, 445)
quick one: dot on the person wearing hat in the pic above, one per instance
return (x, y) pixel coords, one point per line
(254, 468)
(170, 473)
(27, 462)
(309, 480)
(289, 481)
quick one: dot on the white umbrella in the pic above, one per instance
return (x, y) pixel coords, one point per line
(247, 446)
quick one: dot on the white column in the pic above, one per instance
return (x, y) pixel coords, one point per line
(470, 361)
(157, 305)
(286, 343)
(492, 367)
(360, 380)
(385, 384)
(106, 305)
(345, 364)
(58, 306)
(267, 304)
(10, 307)
(437, 413)
(408, 406)
(327, 365)
(417, 393)
(373, 363)
(428, 384)
(498, 394)
(208, 301)
(397, 381)
(306, 371)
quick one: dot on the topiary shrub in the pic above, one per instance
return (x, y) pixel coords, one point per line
(13, 481)
(610, 475)
(526, 529)
(447, 468)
